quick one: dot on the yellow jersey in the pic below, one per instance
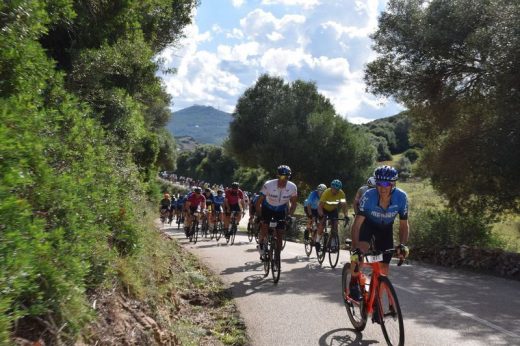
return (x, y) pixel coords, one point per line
(330, 201)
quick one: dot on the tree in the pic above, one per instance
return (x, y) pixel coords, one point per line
(456, 66)
(279, 123)
(209, 163)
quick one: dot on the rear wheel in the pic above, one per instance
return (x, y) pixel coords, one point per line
(334, 250)
(284, 241)
(195, 231)
(355, 310)
(308, 243)
(267, 259)
(390, 313)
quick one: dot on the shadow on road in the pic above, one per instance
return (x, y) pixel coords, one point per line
(344, 336)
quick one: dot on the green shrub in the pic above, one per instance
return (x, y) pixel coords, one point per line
(435, 228)
(412, 155)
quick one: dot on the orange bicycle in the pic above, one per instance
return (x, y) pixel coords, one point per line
(378, 298)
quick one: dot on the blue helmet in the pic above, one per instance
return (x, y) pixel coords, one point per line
(284, 170)
(336, 184)
(387, 173)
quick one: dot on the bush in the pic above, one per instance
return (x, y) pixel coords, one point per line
(434, 228)
(412, 155)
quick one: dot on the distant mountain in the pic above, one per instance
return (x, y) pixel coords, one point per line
(205, 124)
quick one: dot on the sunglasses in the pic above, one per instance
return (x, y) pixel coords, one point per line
(384, 183)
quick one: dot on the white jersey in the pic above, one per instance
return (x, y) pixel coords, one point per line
(277, 198)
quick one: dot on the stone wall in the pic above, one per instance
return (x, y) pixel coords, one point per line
(492, 261)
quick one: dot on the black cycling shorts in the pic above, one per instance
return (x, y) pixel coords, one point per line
(268, 215)
(233, 207)
(383, 236)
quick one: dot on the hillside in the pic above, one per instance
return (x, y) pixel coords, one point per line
(205, 124)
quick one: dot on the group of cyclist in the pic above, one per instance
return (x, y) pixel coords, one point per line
(376, 205)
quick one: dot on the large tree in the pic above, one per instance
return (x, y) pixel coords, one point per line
(291, 123)
(456, 65)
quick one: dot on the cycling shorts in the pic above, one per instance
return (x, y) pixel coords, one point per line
(313, 214)
(268, 215)
(383, 237)
(234, 207)
(331, 214)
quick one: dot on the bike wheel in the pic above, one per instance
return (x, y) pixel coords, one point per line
(334, 251)
(195, 233)
(233, 234)
(267, 260)
(284, 239)
(250, 232)
(308, 246)
(274, 256)
(390, 313)
(257, 232)
(323, 248)
(218, 232)
(355, 310)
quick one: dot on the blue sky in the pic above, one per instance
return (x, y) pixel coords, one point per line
(232, 42)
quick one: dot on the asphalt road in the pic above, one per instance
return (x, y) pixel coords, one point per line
(440, 306)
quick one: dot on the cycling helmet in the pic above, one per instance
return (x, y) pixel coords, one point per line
(321, 187)
(220, 191)
(207, 190)
(235, 185)
(284, 170)
(197, 189)
(387, 173)
(371, 182)
(336, 184)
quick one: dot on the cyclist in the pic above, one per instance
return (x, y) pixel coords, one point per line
(171, 209)
(331, 200)
(179, 206)
(371, 183)
(195, 202)
(234, 201)
(252, 206)
(165, 204)
(378, 209)
(311, 208)
(218, 202)
(277, 198)
(208, 194)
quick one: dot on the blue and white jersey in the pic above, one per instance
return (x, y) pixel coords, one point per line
(369, 207)
(181, 201)
(277, 198)
(313, 200)
(218, 200)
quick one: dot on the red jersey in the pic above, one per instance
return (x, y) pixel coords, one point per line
(197, 200)
(232, 196)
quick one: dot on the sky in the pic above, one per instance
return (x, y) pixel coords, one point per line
(232, 42)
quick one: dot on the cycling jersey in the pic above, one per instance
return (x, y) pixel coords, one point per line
(369, 207)
(181, 201)
(313, 200)
(218, 200)
(196, 200)
(165, 203)
(327, 196)
(232, 196)
(209, 199)
(277, 198)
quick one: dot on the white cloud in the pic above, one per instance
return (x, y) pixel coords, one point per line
(275, 36)
(235, 33)
(237, 3)
(239, 52)
(306, 4)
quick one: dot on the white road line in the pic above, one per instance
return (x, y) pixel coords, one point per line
(467, 315)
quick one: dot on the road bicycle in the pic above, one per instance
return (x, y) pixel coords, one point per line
(252, 229)
(164, 215)
(272, 258)
(329, 242)
(218, 227)
(308, 239)
(204, 228)
(194, 230)
(378, 297)
(180, 219)
(230, 238)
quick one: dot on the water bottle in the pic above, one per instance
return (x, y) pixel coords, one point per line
(362, 282)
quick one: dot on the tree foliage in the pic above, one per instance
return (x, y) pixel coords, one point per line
(456, 66)
(279, 123)
(75, 147)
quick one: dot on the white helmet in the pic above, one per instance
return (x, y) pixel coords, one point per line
(371, 182)
(321, 187)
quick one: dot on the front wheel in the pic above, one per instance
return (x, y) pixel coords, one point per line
(274, 255)
(250, 228)
(334, 250)
(267, 260)
(218, 230)
(308, 243)
(323, 247)
(284, 241)
(233, 234)
(195, 232)
(390, 313)
(355, 310)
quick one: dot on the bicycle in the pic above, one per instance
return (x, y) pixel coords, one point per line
(218, 226)
(378, 299)
(308, 240)
(329, 242)
(272, 260)
(194, 233)
(204, 228)
(180, 219)
(233, 230)
(164, 215)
